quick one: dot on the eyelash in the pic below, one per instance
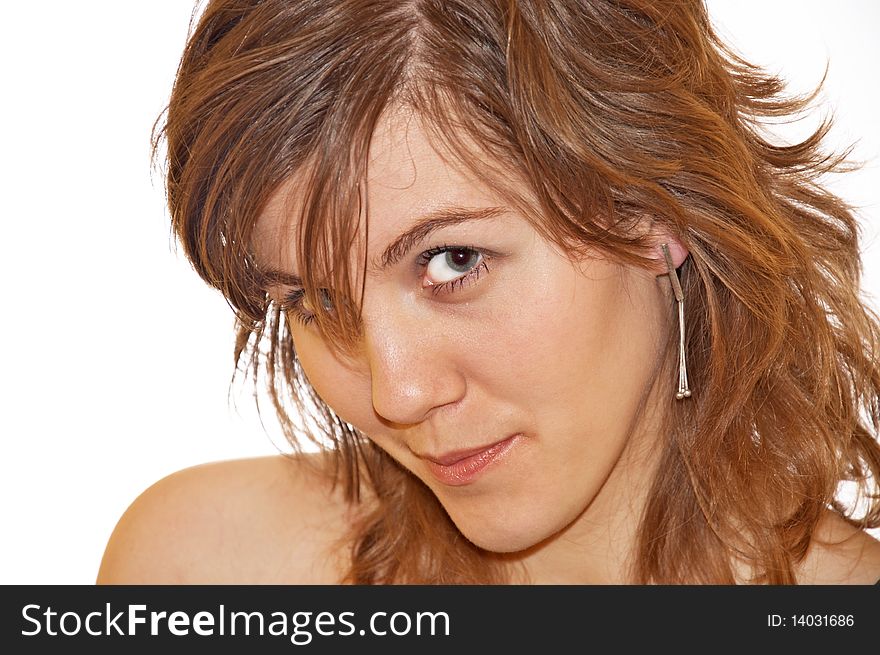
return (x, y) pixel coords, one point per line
(467, 278)
(293, 301)
(293, 305)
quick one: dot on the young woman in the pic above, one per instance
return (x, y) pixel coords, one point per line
(552, 305)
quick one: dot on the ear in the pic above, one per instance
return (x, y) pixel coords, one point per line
(677, 250)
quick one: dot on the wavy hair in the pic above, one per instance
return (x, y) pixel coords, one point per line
(605, 111)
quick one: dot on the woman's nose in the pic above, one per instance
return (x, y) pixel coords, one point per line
(412, 365)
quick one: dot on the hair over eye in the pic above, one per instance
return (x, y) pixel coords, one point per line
(297, 305)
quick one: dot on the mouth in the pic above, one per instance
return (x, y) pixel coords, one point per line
(460, 467)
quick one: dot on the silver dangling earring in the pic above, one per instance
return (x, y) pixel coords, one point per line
(683, 389)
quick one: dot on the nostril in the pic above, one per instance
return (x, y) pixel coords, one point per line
(409, 398)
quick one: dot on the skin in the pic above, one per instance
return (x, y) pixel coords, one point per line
(567, 355)
(443, 371)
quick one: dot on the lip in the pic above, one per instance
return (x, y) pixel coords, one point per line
(462, 467)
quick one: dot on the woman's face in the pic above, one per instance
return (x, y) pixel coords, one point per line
(483, 338)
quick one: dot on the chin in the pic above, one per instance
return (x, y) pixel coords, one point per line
(505, 536)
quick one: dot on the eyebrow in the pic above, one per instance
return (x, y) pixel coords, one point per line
(275, 277)
(428, 224)
(402, 244)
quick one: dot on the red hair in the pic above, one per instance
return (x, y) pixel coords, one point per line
(605, 112)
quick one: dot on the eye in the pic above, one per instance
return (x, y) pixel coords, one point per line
(326, 302)
(296, 305)
(448, 266)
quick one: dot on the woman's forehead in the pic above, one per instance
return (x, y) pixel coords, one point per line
(409, 175)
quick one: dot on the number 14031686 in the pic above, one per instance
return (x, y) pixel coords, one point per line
(810, 620)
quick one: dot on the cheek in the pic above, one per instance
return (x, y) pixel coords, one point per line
(345, 390)
(576, 353)
(549, 342)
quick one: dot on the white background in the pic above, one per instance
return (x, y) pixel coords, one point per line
(116, 358)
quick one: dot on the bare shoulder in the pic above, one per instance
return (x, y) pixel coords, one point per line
(265, 520)
(840, 554)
